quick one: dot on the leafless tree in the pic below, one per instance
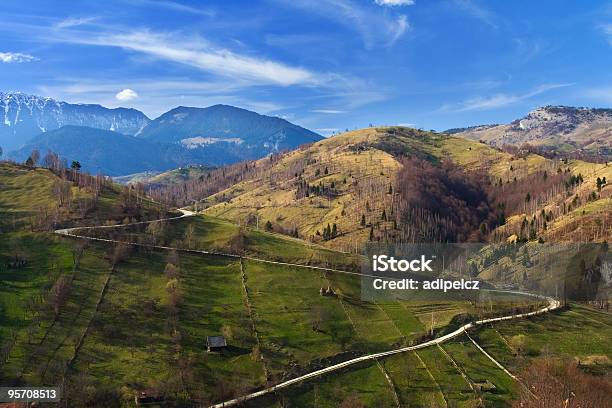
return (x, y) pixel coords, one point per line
(171, 271)
(58, 296)
(35, 156)
(553, 383)
(189, 234)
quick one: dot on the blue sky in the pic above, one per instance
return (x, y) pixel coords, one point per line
(324, 64)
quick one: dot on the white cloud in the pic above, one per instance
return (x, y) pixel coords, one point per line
(606, 29)
(329, 111)
(393, 3)
(528, 49)
(74, 22)
(161, 95)
(376, 27)
(474, 10)
(500, 100)
(399, 29)
(16, 57)
(203, 55)
(126, 95)
(175, 6)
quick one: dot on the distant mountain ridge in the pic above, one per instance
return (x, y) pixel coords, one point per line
(213, 136)
(24, 116)
(104, 151)
(239, 131)
(561, 129)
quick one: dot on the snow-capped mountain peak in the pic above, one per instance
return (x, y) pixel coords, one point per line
(23, 116)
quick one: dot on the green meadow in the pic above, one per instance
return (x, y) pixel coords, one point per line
(134, 318)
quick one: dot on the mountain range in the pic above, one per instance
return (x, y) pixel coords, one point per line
(25, 116)
(552, 129)
(390, 184)
(122, 141)
(106, 152)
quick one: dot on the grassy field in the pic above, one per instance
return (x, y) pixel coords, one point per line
(127, 342)
(294, 322)
(457, 374)
(480, 370)
(364, 384)
(28, 193)
(127, 324)
(415, 384)
(131, 342)
(17, 286)
(122, 313)
(578, 332)
(164, 178)
(216, 234)
(40, 336)
(449, 376)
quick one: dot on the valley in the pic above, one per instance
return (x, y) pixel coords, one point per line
(305, 204)
(353, 181)
(132, 313)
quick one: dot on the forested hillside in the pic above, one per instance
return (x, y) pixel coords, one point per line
(39, 199)
(400, 184)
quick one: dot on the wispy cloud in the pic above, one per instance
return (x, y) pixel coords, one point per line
(74, 22)
(16, 57)
(474, 10)
(394, 3)
(601, 94)
(356, 98)
(176, 6)
(528, 49)
(156, 96)
(328, 111)
(399, 29)
(500, 100)
(376, 27)
(606, 29)
(79, 86)
(201, 54)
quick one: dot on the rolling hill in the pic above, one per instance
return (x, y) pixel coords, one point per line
(119, 320)
(353, 176)
(352, 183)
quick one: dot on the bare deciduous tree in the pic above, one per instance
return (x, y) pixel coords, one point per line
(58, 296)
(554, 383)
